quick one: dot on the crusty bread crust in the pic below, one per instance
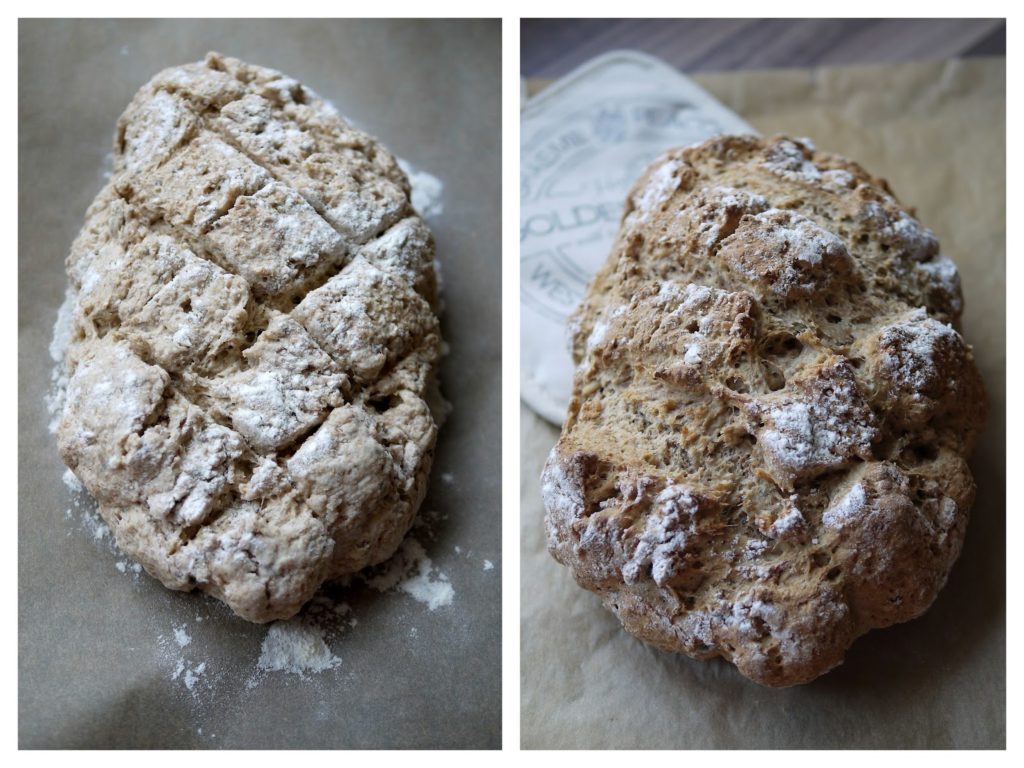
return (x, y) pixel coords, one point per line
(765, 452)
(255, 339)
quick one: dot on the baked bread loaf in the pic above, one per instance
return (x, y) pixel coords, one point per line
(255, 341)
(765, 452)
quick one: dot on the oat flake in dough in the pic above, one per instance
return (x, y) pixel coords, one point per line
(254, 341)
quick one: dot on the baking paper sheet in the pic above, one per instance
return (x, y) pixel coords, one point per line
(107, 657)
(936, 131)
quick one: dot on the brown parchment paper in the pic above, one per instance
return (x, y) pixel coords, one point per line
(97, 648)
(937, 131)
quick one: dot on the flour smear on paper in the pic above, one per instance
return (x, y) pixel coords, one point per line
(427, 190)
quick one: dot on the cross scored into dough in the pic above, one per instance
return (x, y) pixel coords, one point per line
(255, 341)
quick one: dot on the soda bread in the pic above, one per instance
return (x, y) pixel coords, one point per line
(765, 453)
(255, 341)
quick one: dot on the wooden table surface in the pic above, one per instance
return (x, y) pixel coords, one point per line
(553, 47)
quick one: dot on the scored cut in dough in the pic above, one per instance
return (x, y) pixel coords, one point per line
(255, 341)
(765, 452)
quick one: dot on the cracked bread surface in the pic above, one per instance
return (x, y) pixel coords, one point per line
(252, 396)
(765, 452)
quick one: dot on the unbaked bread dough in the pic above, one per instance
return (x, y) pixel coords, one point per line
(254, 343)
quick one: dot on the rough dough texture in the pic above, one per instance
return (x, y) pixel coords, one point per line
(255, 341)
(764, 456)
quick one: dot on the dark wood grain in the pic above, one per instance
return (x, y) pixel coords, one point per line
(552, 47)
